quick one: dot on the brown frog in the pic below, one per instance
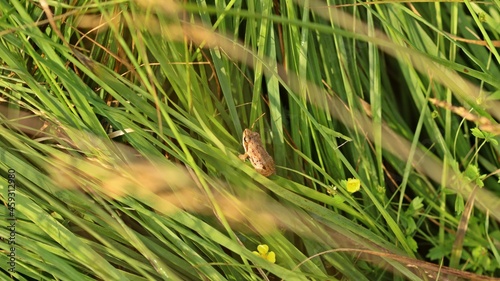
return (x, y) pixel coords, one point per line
(255, 151)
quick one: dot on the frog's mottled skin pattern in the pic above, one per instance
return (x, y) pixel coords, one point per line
(254, 149)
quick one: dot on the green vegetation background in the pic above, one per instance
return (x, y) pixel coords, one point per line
(122, 123)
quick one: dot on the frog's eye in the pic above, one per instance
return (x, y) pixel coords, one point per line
(245, 139)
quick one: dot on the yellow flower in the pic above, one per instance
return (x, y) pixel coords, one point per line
(263, 251)
(353, 185)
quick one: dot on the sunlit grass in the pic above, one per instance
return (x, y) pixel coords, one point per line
(123, 120)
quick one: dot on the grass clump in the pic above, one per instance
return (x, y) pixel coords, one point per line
(122, 124)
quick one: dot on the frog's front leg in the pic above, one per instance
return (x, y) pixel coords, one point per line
(243, 157)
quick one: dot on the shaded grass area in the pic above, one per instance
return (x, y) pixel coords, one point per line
(122, 125)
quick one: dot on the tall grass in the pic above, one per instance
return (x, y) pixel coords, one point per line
(122, 124)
